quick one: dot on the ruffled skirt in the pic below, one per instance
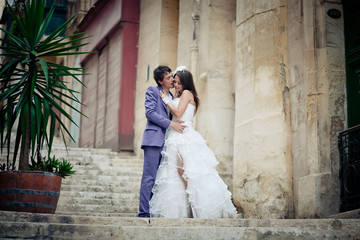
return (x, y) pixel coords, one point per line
(200, 192)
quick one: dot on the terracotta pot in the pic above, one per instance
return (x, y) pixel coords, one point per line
(29, 191)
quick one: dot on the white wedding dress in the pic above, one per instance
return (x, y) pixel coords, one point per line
(206, 195)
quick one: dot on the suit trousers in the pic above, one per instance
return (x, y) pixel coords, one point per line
(152, 157)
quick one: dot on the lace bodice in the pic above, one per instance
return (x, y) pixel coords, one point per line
(188, 114)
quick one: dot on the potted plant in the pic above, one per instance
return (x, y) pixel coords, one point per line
(32, 91)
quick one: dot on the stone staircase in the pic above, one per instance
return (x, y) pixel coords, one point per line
(105, 183)
(100, 201)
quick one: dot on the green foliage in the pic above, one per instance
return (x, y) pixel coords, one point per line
(65, 169)
(32, 89)
(52, 164)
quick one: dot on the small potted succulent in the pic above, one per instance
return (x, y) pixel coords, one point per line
(32, 91)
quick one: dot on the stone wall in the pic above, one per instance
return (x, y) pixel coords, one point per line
(317, 81)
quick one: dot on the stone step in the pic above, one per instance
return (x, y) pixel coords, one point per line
(92, 153)
(62, 148)
(22, 230)
(108, 172)
(103, 214)
(100, 164)
(48, 226)
(106, 186)
(99, 191)
(349, 214)
(106, 205)
(210, 232)
(129, 207)
(88, 157)
(325, 224)
(131, 181)
(115, 165)
(104, 189)
(89, 151)
(103, 178)
(83, 169)
(95, 166)
(104, 159)
(123, 201)
(121, 168)
(131, 194)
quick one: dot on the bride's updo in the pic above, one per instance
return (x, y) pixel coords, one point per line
(186, 80)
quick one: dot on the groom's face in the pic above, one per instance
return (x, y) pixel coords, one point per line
(168, 81)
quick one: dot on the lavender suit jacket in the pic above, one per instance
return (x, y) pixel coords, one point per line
(157, 118)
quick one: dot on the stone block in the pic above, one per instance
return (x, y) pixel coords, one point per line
(318, 196)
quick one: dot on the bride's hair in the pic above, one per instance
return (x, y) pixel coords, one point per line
(186, 80)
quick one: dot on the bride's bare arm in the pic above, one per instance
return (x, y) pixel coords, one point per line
(186, 97)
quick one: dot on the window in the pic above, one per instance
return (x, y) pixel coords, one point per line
(59, 16)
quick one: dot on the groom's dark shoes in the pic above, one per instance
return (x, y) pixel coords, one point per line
(144, 215)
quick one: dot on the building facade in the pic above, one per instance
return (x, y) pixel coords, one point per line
(273, 81)
(110, 73)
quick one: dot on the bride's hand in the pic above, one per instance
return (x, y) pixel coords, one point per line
(177, 126)
(166, 99)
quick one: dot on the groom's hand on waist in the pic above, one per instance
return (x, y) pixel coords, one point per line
(177, 126)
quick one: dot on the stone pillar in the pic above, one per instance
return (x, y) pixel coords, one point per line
(158, 40)
(317, 80)
(194, 49)
(262, 179)
(215, 117)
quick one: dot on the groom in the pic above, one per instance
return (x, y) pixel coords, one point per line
(157, 114)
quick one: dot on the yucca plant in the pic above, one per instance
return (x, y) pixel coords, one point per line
(31, 88)
(52, 164)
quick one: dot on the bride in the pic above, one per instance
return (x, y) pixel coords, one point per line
(187, 183)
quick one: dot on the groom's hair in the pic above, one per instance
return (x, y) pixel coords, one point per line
(159, 73)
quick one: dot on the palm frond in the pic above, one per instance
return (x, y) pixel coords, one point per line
(32, 88)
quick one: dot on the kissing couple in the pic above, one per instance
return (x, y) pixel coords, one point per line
(179, 178)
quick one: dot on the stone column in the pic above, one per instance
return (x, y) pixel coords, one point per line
(205, 46)
(158, 40)
(262, 180)
(317, 80)
(215, 118)
(194, 49)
